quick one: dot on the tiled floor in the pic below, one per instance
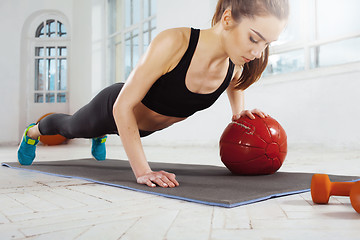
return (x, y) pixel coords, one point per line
(39, 206)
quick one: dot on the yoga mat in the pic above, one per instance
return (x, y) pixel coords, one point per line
(204, 184)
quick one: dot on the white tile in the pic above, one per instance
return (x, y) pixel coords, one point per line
(329, 214)
(152, 227)
(235, 218)
(58, 215)
(128, 211)
(13, 178)
(306, 224)
(156, 201)
(49, 225)
(265, 210)
(18, 189)
(332, 207)
(8, 231)
(234, 234)
(343, 200)
(25, 219)
(66, 222)
(93, 190)
(65, 182)
(79, 196)
(3, 219)
(284, 234)
(294, 203)
(61, 235)
(108, 231)
(10, 207)
(218, 218)
(33, 202)
(57, 199)
(116, 194)
(191, 224)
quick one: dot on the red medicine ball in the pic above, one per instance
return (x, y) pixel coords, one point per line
(253, 146)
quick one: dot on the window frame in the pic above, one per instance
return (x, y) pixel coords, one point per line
(121, 35)
(45, 42)
(306, 45)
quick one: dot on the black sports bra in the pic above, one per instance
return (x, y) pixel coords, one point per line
(169, 95)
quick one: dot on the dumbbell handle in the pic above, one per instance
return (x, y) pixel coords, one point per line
(341, 188)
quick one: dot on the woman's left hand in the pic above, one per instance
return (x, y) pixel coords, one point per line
(250, 114)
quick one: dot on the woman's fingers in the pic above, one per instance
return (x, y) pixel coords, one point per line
(159, 180)
(251, 113)
(259, 113)
(150, 183)
(162, 179)
(172, 179)
(262, 114)
(236, 117)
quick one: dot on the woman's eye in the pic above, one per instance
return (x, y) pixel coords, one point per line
(253, 40)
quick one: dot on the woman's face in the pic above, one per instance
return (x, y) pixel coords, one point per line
(246, 40)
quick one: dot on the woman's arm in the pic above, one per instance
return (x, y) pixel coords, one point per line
(236, 97)
(158, 59)
(237, 100)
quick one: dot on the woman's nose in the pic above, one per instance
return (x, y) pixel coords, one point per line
(258, 50)
(256, 53)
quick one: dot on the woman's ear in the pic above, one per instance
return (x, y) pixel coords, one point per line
(227, 20)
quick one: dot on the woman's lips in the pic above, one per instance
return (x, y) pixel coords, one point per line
(246, 59)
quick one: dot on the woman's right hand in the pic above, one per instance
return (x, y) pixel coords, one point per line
(160, 178)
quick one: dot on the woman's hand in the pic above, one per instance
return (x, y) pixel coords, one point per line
(250, 114)
(161, 178)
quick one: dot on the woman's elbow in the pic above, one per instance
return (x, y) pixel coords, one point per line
(118, 109)
(115, 108)
(121, 108)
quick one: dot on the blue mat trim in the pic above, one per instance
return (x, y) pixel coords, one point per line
(168, 195)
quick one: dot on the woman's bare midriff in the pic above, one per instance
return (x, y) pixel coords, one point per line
(148, 120)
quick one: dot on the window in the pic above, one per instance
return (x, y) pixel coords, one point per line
(320, 33)
(132, 25)
(50, 63)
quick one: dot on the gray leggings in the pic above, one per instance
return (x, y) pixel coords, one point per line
(93, 120)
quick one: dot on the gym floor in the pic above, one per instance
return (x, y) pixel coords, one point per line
(39, 206)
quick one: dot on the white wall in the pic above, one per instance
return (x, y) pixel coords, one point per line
(184, 13)
(317, 107)
(98, 38)
(81, 57)
(9, 69)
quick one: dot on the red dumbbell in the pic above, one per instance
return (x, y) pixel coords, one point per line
(355, 196)
(322, 189)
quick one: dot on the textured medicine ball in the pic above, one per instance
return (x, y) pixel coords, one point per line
(253, 146)
(51, 140)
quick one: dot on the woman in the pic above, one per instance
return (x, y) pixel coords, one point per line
(183, 71)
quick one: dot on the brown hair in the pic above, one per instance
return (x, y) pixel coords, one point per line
(250, 8)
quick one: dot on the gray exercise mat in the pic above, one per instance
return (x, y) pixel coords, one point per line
(204, 184)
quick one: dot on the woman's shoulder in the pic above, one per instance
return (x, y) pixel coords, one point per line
(174, 38)
(169, 46)
(176, 33)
